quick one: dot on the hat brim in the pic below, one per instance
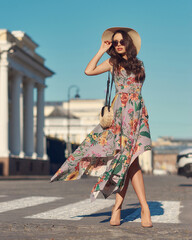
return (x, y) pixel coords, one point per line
(108, 33)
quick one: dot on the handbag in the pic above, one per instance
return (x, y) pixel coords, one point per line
(106, 114)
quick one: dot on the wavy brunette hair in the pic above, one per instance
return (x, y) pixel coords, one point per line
(132, 64)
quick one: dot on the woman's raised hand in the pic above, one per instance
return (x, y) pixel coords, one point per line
(105, 45)
(92, 68)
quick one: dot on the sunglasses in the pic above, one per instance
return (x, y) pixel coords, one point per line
(115, 42)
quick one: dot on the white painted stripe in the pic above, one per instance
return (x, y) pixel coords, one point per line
(25, 202)
(161, 212)
(3, 196)
(75, 211)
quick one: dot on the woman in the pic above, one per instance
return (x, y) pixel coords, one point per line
(117, 147)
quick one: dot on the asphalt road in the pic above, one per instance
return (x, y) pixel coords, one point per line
(34, 209)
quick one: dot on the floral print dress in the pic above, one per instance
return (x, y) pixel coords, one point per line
(108, 153)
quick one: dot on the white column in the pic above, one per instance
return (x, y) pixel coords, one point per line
(15, 134)
(40, 121)
(21, 120)
(28, 119)
(4, 149)
(45, 156)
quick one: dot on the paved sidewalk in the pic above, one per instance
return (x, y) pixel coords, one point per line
(16, 231)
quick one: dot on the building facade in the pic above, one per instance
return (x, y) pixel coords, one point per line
(83, 117)
(22, 71)
(165, 151)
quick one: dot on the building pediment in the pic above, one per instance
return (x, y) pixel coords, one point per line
(25, 39)
(24, 60)
(59, 112)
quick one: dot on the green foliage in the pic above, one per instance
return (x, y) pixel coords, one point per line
(144, 133)
(137, 107)
(117, 168)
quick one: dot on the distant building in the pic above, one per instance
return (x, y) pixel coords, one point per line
(22, 71)
(56, 125)
(84, 116)
(165, 151)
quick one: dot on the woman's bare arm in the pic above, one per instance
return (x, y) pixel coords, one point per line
(92, 68)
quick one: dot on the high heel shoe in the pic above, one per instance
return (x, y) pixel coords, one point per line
(118, 214)
(148, 223)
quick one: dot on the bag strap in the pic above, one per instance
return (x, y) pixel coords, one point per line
(111, 86)
(108, 93)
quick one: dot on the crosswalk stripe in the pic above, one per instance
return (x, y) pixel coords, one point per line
(161, 212)
(75, 211)
(25, 202)
(3, 196)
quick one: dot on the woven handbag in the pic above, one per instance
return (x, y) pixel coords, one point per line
(107, 115)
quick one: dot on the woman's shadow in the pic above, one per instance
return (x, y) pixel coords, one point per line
(132, 212)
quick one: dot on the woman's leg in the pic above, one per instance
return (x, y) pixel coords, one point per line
(136, 177)
(116, 210)
(135, 174)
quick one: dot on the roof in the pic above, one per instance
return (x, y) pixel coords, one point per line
(53, 103)
(170, 149)
(59, 112)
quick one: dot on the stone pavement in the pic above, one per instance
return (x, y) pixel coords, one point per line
(81, 232)
(33, 209)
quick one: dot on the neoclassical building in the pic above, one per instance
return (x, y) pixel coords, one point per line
(22, 72)
(84, 116)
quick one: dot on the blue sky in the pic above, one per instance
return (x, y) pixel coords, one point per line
(69, 35)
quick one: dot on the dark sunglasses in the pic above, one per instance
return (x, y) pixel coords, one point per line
(115, 42)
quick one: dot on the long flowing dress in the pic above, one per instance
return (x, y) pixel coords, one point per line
(108, 153)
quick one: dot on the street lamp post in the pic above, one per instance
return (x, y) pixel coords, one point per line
(69, 150)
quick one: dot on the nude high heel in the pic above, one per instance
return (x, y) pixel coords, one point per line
(117, 214)
(144, 223)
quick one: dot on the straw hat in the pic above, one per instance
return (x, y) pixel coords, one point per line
(108, 33)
